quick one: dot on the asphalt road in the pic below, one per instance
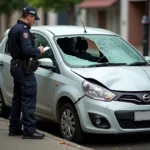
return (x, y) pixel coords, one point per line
(140, 141)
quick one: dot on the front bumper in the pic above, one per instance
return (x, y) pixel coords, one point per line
(120, 116)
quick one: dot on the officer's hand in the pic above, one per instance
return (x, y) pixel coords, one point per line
(41, 49)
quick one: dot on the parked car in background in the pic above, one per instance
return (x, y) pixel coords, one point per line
(93, 82)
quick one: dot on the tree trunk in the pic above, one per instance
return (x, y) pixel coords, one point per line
(8, 19)
(71, 14)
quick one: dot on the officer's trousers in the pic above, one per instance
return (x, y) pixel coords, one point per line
(24, 99)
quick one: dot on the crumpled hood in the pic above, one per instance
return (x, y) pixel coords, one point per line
(120, 78)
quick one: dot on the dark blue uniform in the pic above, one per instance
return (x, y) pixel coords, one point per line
(22, 48)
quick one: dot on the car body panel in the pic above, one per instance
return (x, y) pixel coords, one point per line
(122, 78)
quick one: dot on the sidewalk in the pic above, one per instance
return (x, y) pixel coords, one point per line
(49, 143)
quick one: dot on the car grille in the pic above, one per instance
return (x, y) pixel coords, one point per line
(126, 120)
(127, 124)
(130, 99)
(136, 99)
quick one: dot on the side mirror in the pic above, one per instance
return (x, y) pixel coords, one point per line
(46, 63)
(147, 58)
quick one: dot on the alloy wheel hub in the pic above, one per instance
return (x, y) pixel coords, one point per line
(68, 123)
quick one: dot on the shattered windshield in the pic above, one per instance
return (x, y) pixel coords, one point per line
(91, 50)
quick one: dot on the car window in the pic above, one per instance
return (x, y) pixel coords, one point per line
(3, 45)
(6, 48)
(87, 50)
(39, 39)
(92, 48)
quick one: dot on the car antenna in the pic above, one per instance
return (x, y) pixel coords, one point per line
(82, 23)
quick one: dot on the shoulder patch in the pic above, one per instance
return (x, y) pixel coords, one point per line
(25, 26)
(25, 35)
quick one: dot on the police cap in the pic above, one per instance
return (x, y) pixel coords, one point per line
(30, 10)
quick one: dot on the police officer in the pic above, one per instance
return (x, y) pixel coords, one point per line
(22, 49)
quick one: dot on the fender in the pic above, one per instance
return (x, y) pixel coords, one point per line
(74, 95)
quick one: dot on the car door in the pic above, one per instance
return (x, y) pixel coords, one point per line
(45, 82)
(7, 80)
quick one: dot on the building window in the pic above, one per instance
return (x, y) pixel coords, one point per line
(63, 18)
(92, 18)
(114, 20)
(45, 16)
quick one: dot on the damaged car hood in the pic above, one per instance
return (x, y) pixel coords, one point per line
(122, 78)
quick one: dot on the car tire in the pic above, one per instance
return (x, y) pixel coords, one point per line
(4, 110)
(70, 124)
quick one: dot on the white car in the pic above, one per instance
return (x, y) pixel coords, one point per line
(93, 82)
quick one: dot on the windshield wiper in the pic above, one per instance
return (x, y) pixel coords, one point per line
(105, 64)
(138, 64)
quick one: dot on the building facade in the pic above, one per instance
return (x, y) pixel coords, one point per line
(120, 16)
(102, 14)
(46, 18)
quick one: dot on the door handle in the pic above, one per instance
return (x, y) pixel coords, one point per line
(1, 63)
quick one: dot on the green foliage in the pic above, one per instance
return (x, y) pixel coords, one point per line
(57, 5)
(10, 5)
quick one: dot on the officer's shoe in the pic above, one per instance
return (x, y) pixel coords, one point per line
(17, 133)
(35, 135)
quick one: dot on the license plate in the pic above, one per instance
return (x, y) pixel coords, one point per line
(141, 115)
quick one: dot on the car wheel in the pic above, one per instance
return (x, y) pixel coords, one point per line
(4, 110)
(69, 123)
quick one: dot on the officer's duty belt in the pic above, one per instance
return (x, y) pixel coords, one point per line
(18, 62)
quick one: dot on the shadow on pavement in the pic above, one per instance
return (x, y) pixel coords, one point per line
(99, 140)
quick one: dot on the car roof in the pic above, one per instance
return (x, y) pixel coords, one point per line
(69, 30)
(59, 30)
